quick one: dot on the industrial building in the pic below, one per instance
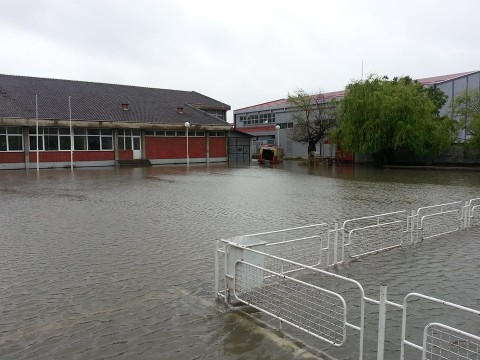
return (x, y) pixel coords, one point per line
(59, 123)
(270, 122)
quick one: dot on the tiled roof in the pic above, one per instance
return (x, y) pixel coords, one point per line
(102, 102)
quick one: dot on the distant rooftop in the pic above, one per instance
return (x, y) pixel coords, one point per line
(335, 94)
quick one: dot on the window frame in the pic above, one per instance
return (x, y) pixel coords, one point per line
(16, 132)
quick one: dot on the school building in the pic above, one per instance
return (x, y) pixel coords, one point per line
(54, 123)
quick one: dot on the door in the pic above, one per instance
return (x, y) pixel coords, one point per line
(136, 147)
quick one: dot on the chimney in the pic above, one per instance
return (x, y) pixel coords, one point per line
(179, 110)
(125, 107)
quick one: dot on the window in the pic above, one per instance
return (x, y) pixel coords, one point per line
(219, 114)
(217, 133)
(288, 125)
(174, 133)
(58, 139)
(127, 138)
(255, 119)
(11, 138)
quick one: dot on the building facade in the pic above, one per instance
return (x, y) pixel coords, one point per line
(261, 120)
(54, 123)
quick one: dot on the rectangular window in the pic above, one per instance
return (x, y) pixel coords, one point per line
(80, 142)
(64, 142)
(107, 143)
(93, 131)
(121, 143)
(182, 133)
(169, 133)
(94, 143)
(3, 143)
(11, 138)
(51, 142)
(149, 133)
(33, 143)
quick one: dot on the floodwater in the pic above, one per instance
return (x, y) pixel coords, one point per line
(118, 263)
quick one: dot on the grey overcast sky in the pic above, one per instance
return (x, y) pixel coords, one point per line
(239, 52)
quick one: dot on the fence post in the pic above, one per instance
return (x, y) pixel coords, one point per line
(335, 244)
(217, 243)
(467, 215)
(382, 309)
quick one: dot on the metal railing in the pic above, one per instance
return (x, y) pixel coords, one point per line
(258, 272)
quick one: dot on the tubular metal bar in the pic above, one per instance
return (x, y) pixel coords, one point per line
(217, 270)
(324, 272)
(371, 217)
(373, 227)
(289, 229)
(442, 344)
(382, 312)
(293, 240)
(279, 317)
(438, 214)
(429, 298)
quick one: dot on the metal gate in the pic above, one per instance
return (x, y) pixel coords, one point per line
(239, 154)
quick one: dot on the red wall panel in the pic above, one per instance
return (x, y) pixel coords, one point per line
(174, 147)
(218, 147)
(64, 156)
(125, 155)
(12, 157)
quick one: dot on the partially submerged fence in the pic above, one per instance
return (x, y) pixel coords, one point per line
(258, 271)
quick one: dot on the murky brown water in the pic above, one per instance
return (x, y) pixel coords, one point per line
(118, 263)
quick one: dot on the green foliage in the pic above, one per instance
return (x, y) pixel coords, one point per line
(314, 117)
(378, 116)
(466, 109)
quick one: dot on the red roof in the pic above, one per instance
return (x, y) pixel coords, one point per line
(267, 104)
(341, 93)
(442, 78)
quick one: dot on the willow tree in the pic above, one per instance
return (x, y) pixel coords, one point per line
(379, 116)
(466, 110)
(314, 116)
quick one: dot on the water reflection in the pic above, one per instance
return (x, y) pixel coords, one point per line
(118, 263)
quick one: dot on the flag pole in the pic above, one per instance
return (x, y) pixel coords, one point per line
(71, 133)
(36, 117)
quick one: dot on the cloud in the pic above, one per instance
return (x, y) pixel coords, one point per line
(241, 53)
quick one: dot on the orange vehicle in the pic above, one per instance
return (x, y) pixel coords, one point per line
(270, 154)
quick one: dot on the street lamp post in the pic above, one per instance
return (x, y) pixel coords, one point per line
(277, 134)
(187, 126)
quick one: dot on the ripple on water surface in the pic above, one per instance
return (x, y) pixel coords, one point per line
(118, 263)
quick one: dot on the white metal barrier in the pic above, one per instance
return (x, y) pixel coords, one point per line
(258, 268)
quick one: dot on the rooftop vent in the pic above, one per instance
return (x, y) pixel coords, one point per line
(179, 110)
(125, 107)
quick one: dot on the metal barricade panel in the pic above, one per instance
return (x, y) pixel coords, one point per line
(444, 342)
(301, 244)
(317, 311)
(375, 238)
(441, 223)
(475, 215)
